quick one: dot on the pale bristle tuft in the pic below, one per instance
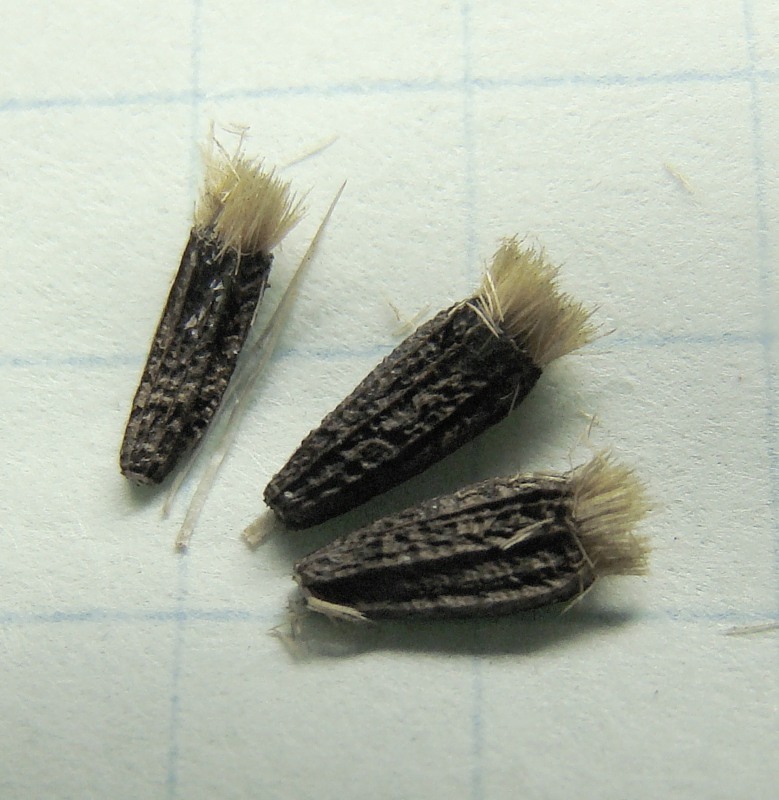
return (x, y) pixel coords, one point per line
(609, 501)
(245, 208)
(520, 296)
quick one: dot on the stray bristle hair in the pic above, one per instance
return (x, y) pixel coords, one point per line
(608, 502)
(245, 208)
(519, 295)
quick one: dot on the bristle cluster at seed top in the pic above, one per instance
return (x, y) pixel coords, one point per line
(247, 209)
(608, 502)
(520, 296)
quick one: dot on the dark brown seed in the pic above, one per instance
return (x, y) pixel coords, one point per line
(241, 215)
(450, 380)
(453, 378)
(496, 547)
(193, 355)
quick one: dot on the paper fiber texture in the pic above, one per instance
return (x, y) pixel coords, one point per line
(638, 142)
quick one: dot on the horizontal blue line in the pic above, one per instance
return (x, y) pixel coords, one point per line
(617, 79)
(338, 89)
(91, 361)
(727, 339)
(106, 101)
(188, 97)
(650, 340)
(125, 359)
(107, 615)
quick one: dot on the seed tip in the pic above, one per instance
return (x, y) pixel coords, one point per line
(247, 208)
(520, 295)
(609, 500)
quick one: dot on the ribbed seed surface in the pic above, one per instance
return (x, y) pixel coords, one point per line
(446, 383)
(203, 327)
(444, 557)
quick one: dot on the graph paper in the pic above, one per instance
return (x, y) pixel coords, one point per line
(638, 143)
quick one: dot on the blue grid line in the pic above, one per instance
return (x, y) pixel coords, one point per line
(765, 273)
(469, 176)
(12, 104)
(180, 617)
(615, 80)
(652, 340)
(181, 614)
(468, 144)
(477, 694)
(271, 614)
(605, 80)
(182, 589)
(176, 614)
(637, 341)
(197, 97)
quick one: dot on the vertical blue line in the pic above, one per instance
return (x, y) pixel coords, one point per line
(196, 92)
(182, 587)
(175, 679)
(477, 692)
(477, 724)
(468, 141)
(765, 279)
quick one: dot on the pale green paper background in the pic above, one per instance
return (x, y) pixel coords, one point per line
(129, 672)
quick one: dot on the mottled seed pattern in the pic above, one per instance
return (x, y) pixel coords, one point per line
(494, 548)
(450, 380)
(193, 355)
